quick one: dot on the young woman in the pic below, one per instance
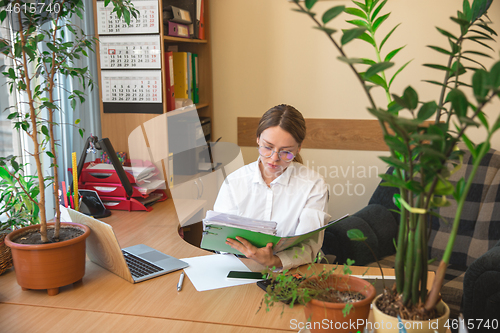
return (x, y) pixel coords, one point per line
(277, 187)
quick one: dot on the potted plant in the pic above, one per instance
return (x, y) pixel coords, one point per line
(422, 136)
(332, 301)
(16, 210)
(40, 53)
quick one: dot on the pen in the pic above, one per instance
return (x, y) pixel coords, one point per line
(181, 279)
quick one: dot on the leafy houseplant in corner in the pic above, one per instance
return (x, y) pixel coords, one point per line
(331, 301)
(40, 54)
(422, 137)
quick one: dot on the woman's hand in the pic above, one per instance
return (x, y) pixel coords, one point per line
(263, 255)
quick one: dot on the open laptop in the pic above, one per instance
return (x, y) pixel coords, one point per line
(134, 264)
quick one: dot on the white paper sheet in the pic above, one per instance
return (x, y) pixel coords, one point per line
(210, 272)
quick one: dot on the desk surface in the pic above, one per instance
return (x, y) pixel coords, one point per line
(104, 296)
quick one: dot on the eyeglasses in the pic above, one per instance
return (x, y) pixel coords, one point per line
(283, 155)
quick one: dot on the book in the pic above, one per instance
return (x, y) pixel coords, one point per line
(217, 227)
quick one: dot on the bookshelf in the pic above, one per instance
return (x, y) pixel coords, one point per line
(118, 126)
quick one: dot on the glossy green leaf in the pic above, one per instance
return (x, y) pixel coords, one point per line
(392, 161)
(332, 13)
(434, 82)
(440, 67)
(357, 12)
(378, 9)
(446, 33)
(480, 85)
(351, 60)
(481, 66)
(467, 10)
(395, 143)
(3, 15)
(387, 36)
(494, 75)
(359, 23)
(461, 22)
(440, 49)
(361, 5)
(310, 3)
(378, 80)
(392, 181)
(367, 61)
(356, 235)
(488, 29)
(468, 121)
(398, 71)
(482, 33)
(411, 98)
(45, 130)
(351, 34)
(481, 116)
(481, 43)
(50, 154)
(393, 53)
(427, 110)
(479, 8)
(379, 21)
(394, 108)
(374, 69)
(367, 38)
(328, 31)
(458, 102)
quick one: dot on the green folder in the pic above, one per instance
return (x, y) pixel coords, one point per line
(214, 237)
(195, 84)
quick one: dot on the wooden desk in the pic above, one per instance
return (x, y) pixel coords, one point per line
(103, 296)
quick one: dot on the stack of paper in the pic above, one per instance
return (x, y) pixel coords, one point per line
(216, 218)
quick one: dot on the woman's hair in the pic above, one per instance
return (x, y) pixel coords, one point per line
(289, 119)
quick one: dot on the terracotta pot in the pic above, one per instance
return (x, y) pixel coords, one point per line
(384, 323)
(328, 317)
(49, 266)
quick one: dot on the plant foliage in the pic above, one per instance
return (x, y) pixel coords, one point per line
(45, 45)
(422, 135)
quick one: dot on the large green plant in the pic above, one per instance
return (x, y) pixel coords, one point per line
(46, 46)
(418, 151)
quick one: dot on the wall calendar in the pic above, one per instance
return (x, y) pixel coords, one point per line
(131, 86)
(130, 52)
(147, 22)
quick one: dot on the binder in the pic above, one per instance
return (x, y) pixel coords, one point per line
(196, 97)
(201, 29)
(177, 15)
(215, 235)
(178, 30)
(180, 75)
(190, 75)
(169, 82)
(190, 6)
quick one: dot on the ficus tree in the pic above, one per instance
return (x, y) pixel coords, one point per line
(46, 45)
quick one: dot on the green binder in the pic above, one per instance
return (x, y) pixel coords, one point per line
(195, 84)
(214, 237)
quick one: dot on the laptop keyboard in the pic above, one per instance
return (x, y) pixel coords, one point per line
(139, 267)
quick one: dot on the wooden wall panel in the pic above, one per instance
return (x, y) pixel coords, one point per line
(346, 134)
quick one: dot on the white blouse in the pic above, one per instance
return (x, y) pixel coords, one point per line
(297, 200)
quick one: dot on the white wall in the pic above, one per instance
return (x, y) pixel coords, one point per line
(265, 54)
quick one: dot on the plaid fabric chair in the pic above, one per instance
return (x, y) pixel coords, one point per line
(478, 233)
